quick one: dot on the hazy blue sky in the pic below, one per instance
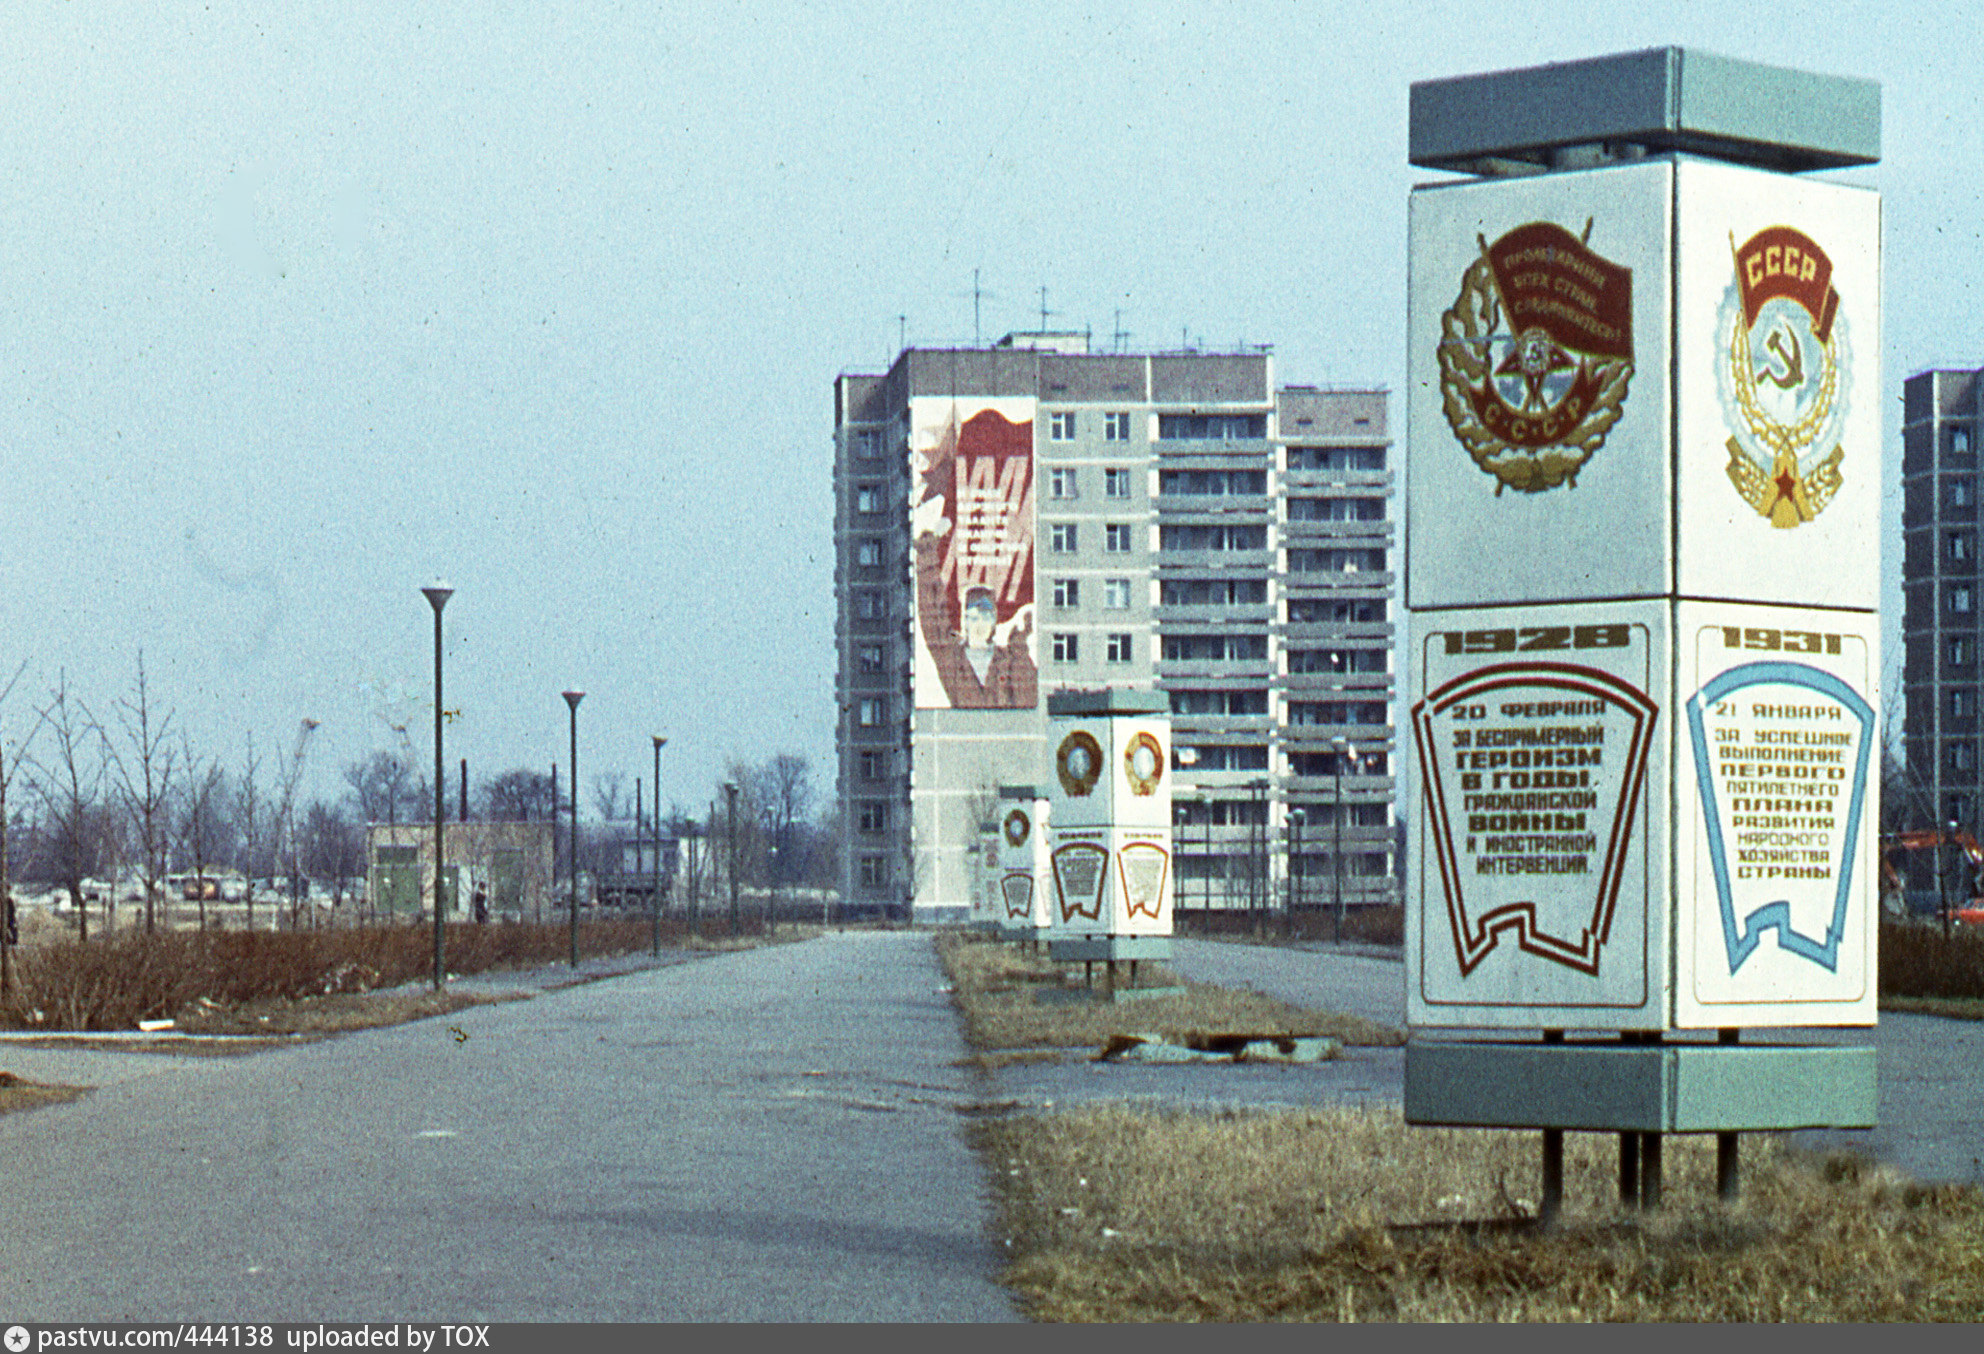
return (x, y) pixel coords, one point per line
(313, 302)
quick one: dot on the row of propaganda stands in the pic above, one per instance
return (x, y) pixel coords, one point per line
(1085, 866)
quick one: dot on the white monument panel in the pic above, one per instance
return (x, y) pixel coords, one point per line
(1778, 387)
(1777, 801)
(1538, 881)
(1110, 830)
(1024, 888)
(1539, 311)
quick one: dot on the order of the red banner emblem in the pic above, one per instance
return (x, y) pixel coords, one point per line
(1536, 355)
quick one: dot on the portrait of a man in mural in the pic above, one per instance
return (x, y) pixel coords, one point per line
(972, 524)
(977, 671)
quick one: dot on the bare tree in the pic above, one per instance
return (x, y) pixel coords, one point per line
(333, 847)
(203, 835)
(69, 785)
(609, 788)
(145, 777)
(785, 797)
(518, 796)
(383, 785)
(8, 771)
(251, 816)
(288, 774)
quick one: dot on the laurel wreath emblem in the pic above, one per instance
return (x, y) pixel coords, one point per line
(1468, 334)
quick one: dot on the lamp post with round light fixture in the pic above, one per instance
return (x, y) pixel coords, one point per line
(437, 597)
(654, 900)
(572, 699)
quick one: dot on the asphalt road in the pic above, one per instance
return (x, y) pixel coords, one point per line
(1930, 1070)
(764, 1136)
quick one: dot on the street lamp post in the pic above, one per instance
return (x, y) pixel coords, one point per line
(437, 597)
(1296, 817)
(654, 904)
(730, 792)
(1344, 752)
(572, 699)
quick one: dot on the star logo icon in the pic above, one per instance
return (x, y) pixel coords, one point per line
(17, 1339)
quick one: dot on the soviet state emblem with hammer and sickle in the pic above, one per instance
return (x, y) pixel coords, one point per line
(1536, 355)
(1782, 369)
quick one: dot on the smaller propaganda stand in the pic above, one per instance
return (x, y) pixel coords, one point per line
(1642, 581)
(1109, 833)
(1023, 863)
(986, 908)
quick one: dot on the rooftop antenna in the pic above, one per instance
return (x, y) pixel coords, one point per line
(1122, 335)
(1044, 311)
(902, 332)
(977, 293)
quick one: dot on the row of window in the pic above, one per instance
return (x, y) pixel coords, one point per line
(1194, 536)
(1065, 482)
(1066, 647)
(1193, 813)
(1336, 458)
(1324, 610)
(1064, 538)
(1335, 561)
(1064, 426)
(1337, 660)
(1213, 592)
(1067, 594)
(1246, 483)
(1336, 509)
(1211, 427)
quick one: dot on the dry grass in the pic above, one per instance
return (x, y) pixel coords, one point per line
(1916, 961)
(997, 986)
(16, 1094)
(226, 981)
(1116, 1214)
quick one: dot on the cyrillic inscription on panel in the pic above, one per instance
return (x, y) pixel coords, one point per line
(1533, 772)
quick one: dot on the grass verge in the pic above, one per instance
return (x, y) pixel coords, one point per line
(997, 987)
(1117, 1214)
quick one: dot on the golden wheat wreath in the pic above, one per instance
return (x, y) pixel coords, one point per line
(1018, 828)
(1078, 780)
(1465, 333)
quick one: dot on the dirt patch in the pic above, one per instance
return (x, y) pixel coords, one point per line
(17, 1095)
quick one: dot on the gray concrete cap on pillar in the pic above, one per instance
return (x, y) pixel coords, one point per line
(1580, 114)
(1109, 702)
(1026, 793)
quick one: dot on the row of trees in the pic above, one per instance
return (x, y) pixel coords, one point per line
(85, 798)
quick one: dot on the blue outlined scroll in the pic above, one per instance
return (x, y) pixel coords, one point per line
(1829, 868)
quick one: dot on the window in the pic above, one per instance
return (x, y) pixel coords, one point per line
(1211, 427)
(1963, 757)
(1959, 441)
(871, 817)
(1336, 660)
(868, 554)
(1219, 702)
(1336, 712)
(1219, 647)
(1244, 757)
(1327, 764)
(1963, 704)
(1336, 458)
(1238, 482)
(1191, 536)
(1115, 483)
(1336, 561)
(1067, 648)
(1211, 592)
(1959, 651)
(868, 498)
(1067, 594)
(872, 764)
(1118, 649)
(871, 604)
(869, 712)
(1061, 427)
(1061, 483)
(1960, 493)
(1062, 538)
(1115, 427)
(1959, 547)
(1115, 594)
(870, 658)
(1323, 610)
(874, 872)
(1336, 509)
(868, 443)
(1960, 600)
(1116, 538)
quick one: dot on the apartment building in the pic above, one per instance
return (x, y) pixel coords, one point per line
(1032, 517)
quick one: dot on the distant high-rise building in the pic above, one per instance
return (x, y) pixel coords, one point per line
(1942, 412)
(1032, 517)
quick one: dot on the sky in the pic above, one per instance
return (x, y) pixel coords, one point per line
(314, 304)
